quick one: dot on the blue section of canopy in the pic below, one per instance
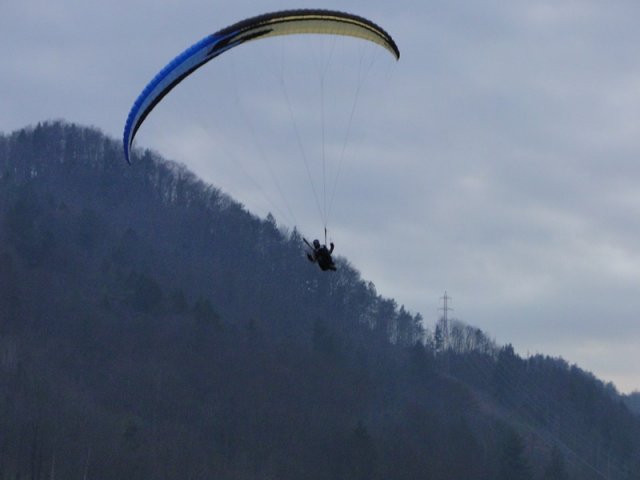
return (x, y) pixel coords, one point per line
(183, 64)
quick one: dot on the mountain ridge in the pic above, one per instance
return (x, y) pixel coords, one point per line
(152, 327)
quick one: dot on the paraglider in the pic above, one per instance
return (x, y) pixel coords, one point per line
(321, 255)
(287, 22)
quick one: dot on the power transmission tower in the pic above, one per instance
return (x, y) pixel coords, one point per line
(445, 317)
(445, 306)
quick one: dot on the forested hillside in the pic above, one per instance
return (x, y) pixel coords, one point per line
(151, 327)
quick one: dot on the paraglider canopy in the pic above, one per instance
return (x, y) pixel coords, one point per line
(288, 22)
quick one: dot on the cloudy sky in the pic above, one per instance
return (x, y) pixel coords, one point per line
(497, 160)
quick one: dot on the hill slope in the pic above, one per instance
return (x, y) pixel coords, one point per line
(150, 327)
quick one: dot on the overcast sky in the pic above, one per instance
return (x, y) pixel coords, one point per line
(497, 160)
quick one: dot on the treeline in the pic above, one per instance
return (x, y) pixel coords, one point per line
(151, 327)
(633, 402)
